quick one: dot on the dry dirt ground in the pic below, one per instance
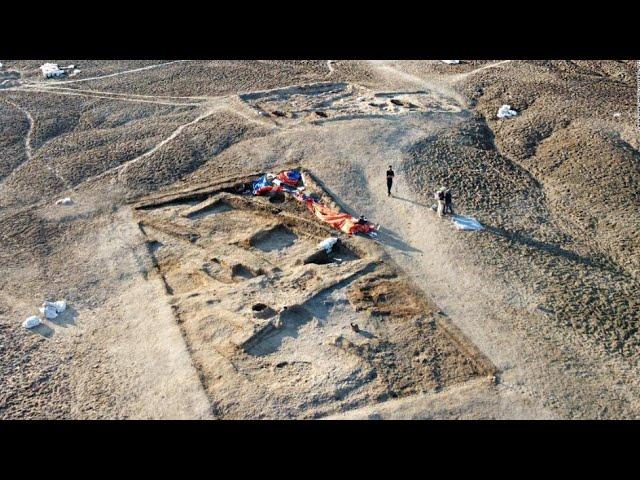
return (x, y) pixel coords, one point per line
(177, 282)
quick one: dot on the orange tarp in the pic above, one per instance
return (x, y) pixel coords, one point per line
(340, 221)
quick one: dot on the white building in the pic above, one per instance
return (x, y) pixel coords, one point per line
(51, 70)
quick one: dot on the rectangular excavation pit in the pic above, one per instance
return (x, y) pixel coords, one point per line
(351, 357)
(355, 332)
(321, 102)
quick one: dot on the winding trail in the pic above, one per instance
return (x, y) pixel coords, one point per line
(530, 351)
(29, 149)
(27, 138)
(173, 135)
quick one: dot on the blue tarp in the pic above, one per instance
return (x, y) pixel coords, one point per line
(261, 183)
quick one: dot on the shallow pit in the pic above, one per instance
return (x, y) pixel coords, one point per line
(275, 239)
(262, 311)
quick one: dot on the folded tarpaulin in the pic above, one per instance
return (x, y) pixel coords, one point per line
(263, 186)
(290, 177)
(466, 223)
(340, 221)
(287, 180)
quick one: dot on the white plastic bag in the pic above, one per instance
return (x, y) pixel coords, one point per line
(328, 244)
(505, 112)
(49, 310)
(32, 322)
(64, 201)
(52, 309)
(60, 306)
(466, 223)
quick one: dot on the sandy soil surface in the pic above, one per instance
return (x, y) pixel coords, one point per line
(547, 293)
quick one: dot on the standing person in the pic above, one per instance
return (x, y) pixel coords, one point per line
(390, 175)
(440, 195)
(448, 203)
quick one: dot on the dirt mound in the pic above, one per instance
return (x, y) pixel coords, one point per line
(572, 134)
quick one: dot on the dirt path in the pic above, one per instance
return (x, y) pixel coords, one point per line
(115, 94)
(462, 76)
(120, 168)
(106, 95)
(537, 361)
(27, 138)
(545, 370)
(401, 78)
(123, 72)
